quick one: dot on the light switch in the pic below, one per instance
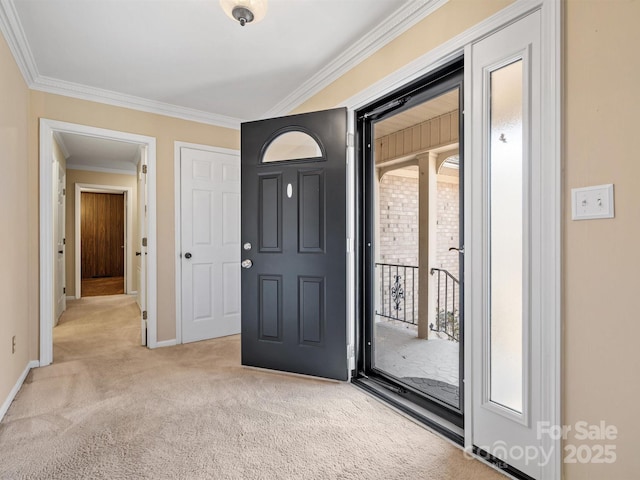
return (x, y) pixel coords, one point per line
(592, 202)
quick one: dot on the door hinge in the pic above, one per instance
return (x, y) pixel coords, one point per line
(144, 241)
(64, 192)
(350, 140)
(64, 289)
(350, 351)
(144, 169)
(64, 241)
(144, 315)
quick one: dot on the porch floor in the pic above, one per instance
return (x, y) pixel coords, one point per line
(430, 366)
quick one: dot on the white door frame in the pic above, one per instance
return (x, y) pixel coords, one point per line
(551, 150)
(47, 130)
(178, 219)
(128, 232)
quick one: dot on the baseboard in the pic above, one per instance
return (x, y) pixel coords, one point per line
(166, 343)
(71, 297)
(16, 388)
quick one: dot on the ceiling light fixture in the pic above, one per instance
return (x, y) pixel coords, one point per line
(245, 11)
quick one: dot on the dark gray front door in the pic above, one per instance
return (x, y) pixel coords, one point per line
(294, 244)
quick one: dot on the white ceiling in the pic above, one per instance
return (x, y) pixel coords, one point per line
(91, 153)
(186, 58)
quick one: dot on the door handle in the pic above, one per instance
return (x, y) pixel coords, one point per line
(60, 251)
(187, 255)
(246, 264)
(459, 250)
(138, 254)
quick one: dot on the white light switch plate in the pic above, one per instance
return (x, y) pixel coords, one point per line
(592, 202)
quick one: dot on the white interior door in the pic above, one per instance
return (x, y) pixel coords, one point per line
(59, 236)
(143, 226)
(210, 244)
(507, 246)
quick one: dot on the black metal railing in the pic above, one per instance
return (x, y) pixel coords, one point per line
(447, 304)
(398, 292)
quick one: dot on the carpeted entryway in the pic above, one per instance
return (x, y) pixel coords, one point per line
(108, 408)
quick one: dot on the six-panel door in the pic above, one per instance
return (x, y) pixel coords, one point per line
(293, 236)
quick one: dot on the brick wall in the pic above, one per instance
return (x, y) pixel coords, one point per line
(447, 231)
(399, 235)
(398, 242)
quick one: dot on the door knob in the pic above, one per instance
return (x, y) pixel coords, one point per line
(187, 255)
(246, 264)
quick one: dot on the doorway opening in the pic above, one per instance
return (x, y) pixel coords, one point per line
(84, 139)
(411, 346)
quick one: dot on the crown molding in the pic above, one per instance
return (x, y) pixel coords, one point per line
(399, 22)
(109, 97)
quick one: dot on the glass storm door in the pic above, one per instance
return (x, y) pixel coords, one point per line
(414, 244)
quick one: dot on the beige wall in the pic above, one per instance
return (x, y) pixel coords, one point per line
(601, 257)
(16, 310)
(98, 178)
(166, 130)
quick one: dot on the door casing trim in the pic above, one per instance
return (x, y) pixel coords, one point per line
(177, 160)
(46, 265)
(551, 112)
(128, 232)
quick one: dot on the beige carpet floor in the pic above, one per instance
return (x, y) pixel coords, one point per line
(110, 409)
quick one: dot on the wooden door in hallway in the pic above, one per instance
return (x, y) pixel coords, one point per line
(102, 237)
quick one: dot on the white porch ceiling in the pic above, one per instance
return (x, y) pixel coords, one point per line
(445, 103)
